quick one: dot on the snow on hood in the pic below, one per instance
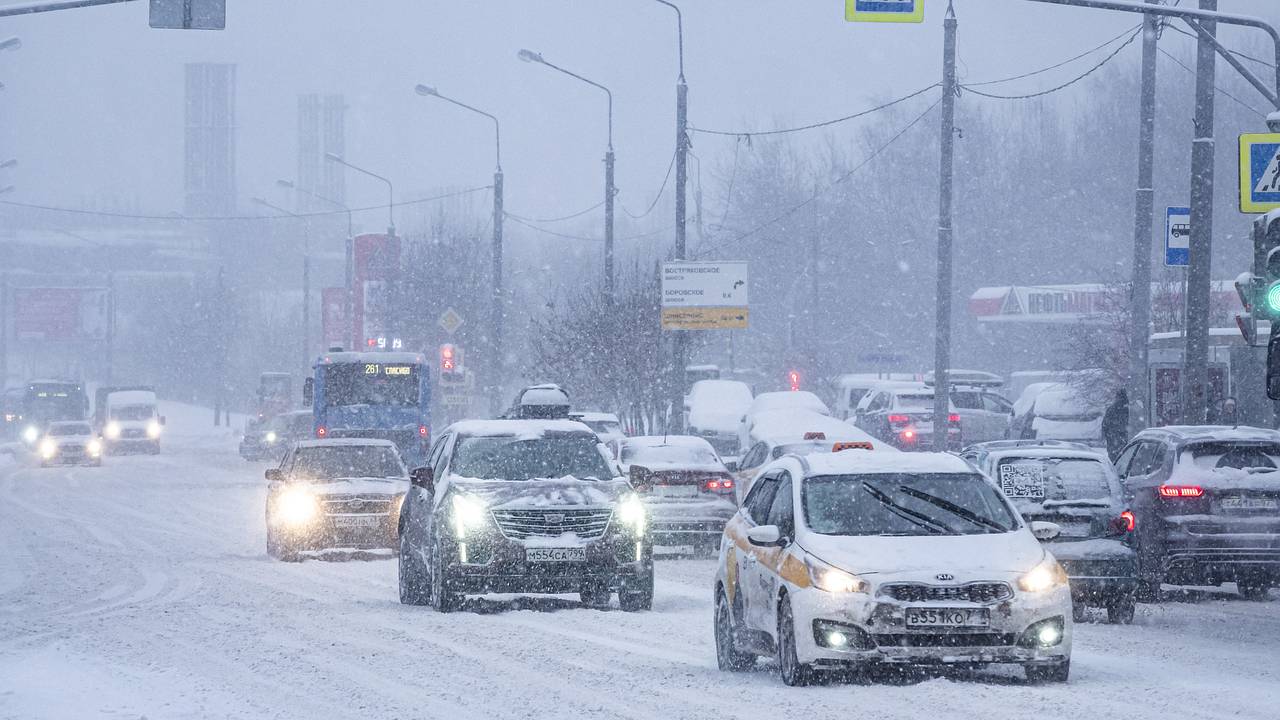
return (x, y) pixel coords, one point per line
(361, 486)
(556, 492)
(988, 556)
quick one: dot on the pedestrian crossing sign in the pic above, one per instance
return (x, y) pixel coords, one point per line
(1259, 172)
(903, 11)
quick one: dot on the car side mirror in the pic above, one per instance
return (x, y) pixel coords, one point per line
(423, 478)
(765, 536)
(641, 479)
(1045, 530)
(274, 475)
(308, 391)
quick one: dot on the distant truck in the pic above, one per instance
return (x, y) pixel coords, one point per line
(132, 421)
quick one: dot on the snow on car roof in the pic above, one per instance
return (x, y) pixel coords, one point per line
(855, 462)
(1037, 451)
(131, 397)
(1215, 432)
(345, 442)
(791, 425)
(524, 429)
(787, 399)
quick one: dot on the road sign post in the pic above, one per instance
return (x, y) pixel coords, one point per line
(704, 296)
(899, 11)
(1177, 236)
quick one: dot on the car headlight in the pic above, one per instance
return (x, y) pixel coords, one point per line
(48, 449)
(271, 438)
(468, 514)
(31, 434)
(153, 429)
(112, 430)
(1045, 576)
(94, 447)
(296, 506)
(833, 579)
(631, 512)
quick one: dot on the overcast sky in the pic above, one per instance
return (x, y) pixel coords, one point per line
(93, 105)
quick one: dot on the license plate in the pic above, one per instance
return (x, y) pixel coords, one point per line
(948, 617)
(1076, 529)
(554, 554)
(1240, 502)
(675, 491)
(358, 521)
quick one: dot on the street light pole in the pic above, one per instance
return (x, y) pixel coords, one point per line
(391, 191)
(497, 312)
(1199, 264)
(349, 303)
(306, 279)
(609, 190)
(1144, 207)
(942, 349)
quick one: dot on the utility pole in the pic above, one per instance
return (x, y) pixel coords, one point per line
(680, 340)
(4, 330)
(1196, 345)
(1144, 208)
(495, 401)
(608, 225)
(942, 349)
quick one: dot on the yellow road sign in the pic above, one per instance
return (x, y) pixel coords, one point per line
(899, 11)
(1259, 172)
(704, 318)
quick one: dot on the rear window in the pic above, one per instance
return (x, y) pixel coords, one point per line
(676, 454)
(70, 430)
(915, 402)
(1062, 479)
(1240, 455)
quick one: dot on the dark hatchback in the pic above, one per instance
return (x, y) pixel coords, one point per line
(523, 506)
(1074, 487)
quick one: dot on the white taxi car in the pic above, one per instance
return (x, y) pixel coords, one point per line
(855, 559)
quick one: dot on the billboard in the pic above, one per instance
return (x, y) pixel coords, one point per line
(377, 262)
(61, 314)
(333, 320)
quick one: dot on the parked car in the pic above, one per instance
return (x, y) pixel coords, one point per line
(1057, 412)
(1207, 504)
(1075, 487)
(69, 442)
(851, 388)
(771, 402)
(984, 413)
(606, 426)
(686, 487)
(854, 560)
(901, 414)
(270, 440)
(523, 506)
(334, 493)
(715, 409)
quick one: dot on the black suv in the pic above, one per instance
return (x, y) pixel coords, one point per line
(523, 506)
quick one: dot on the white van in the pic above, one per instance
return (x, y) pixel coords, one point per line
(133, 422)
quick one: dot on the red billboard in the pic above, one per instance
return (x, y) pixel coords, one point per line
(377, 261)
(333, 316)
(60, 314)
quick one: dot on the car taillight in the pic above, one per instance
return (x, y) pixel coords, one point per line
(1181, 491)
(899, 419)
(1125, 523)
(954, 418)
(422, 431)
(908, 435)
(718, 484)
(322, 432)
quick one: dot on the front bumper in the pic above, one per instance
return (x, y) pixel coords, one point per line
(885, 640)
(498, 565)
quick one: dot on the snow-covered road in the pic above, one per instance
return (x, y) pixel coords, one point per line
(142, 589)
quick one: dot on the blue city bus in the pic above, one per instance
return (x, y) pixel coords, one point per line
(380, 395)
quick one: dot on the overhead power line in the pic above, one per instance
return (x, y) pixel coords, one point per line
(1237, 53)
(1111, 56)
(811, 126)
(583, 238)
(661, 189)
(1242, 103)
(580, 213)
(1057, 65)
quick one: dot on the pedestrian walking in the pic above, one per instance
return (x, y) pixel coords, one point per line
(1115, 424)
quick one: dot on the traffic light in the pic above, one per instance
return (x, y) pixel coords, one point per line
(452, 371)
(448, 362)
(1266, 291)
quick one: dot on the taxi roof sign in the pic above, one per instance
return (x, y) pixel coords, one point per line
(899, 11)
(852, 445)
(1259, 172)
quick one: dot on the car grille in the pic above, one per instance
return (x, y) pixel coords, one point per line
(979, 592)
(521, 524)
(133, 433)
(916, 640)
(355, 505)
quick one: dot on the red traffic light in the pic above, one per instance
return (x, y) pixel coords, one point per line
(448, 358)
(794, 378)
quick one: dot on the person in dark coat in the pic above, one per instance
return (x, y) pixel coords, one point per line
(1115, 424)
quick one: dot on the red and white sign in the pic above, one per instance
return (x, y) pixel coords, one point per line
(60, 314)
(333, 316)
(377, 260)
(1085, 303)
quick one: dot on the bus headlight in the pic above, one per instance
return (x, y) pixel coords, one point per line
(112, 430)
(48, 449)
(94, 448)
(468, 514)
(631, 512)
(296, 506)
(31, 434)
(153, 429)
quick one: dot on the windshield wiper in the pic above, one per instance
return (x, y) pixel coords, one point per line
(954, 509)
(911, 516)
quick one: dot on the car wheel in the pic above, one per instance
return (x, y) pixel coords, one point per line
(637, 593)
(1120, 610)
(1254, 590)
(413, 589)
(728, 657)
(1055, 673)
(443, 598)
(794, 673)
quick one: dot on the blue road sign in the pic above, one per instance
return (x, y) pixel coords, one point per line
(911, 11)
(1259, 172)
(1177, 236)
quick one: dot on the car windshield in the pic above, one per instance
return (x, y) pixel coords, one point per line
(67, 430)
(1227, 454)
(674, 454)
(348, 461)
(132, 412)
(905, 504)
(1054, 479)
(514, 458)
(383, 384)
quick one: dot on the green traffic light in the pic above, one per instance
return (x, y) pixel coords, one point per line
(1272, 299)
